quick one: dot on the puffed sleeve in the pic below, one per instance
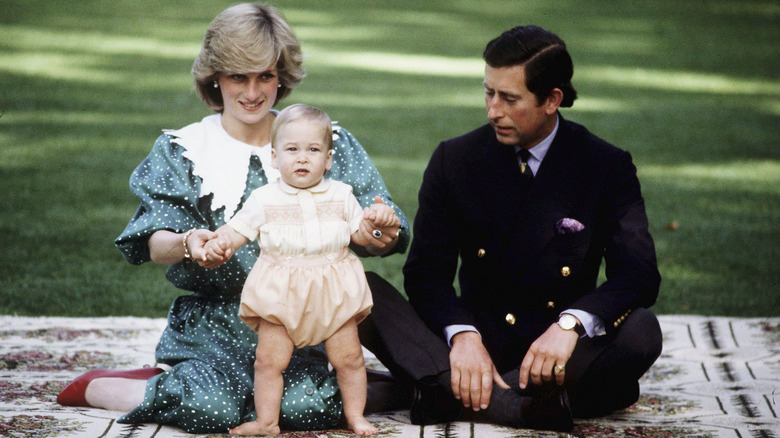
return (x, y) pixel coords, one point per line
(353, 212)
(352, 165)
(169, 195)
(251, 217)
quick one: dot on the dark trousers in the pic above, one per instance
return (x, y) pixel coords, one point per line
(601, 375)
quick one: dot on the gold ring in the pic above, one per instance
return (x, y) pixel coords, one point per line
(559, 368)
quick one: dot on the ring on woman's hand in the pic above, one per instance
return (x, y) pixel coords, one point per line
(377, 233)
(559, 368)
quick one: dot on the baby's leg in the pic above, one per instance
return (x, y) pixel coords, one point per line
(346, 356)
(274, 349)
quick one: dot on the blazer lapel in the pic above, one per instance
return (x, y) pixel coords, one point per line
(553, 192)
(498, 177)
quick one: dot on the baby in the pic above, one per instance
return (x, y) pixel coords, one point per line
(306, 286)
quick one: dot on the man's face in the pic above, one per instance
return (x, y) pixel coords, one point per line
(514, 112)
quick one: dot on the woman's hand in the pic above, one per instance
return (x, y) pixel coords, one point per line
(196, 243)
(167, 247)
(215, 252)
(212, 249)
(379, 228)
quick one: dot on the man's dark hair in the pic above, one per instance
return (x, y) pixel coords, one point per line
(544, 55)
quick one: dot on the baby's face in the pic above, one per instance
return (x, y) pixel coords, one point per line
(301, 155)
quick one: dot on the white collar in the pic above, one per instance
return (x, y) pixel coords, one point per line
(540, 150)
(218, 159)
(321, 187)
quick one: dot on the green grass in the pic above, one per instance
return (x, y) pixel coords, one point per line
(691, 89)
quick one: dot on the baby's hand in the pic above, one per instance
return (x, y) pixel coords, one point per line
(381, 215)
(215, 251)
(378, 229)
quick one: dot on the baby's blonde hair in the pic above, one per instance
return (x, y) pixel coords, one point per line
(300, 111)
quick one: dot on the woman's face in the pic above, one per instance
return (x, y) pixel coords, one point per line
(247, 98)
(300, 154)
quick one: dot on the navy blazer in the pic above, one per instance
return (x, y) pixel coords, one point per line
(517, 272)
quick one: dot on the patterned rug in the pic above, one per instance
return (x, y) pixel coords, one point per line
(717, 377)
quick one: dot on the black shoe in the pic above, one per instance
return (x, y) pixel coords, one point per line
(549, 411)
(433, 405)
(386, 393)
(379, 376)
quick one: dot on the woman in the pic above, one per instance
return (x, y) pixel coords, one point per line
(191, 183)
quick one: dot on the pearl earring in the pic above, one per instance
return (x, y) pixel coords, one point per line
(279, 86)
(216, 85)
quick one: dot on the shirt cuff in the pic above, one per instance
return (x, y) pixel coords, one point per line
(452, 330)
(594, 326)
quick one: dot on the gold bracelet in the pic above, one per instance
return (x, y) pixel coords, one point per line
(187, 255)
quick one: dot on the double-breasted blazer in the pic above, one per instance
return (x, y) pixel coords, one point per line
(517, 271)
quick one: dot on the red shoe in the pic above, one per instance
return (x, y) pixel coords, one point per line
(74, 393)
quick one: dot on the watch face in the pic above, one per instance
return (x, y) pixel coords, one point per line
(567, 322)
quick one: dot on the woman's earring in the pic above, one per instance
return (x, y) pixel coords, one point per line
(216, 84)
(279, 86)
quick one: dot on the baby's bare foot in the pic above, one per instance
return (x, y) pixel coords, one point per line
(361, 426)
(255, 428)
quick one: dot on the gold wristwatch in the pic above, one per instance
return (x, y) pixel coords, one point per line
(569, 322)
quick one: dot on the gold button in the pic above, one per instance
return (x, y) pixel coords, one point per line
(565, 271)
(481, 253)
(510, 319)
(551, 304)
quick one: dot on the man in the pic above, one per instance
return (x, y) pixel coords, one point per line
(532, 204)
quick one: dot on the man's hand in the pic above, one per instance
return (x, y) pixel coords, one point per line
(473, 372)
(553, 348)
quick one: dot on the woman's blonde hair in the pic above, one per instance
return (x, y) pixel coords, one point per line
(247, 38)
(300, 111)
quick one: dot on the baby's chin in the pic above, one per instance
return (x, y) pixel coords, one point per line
(301, 180)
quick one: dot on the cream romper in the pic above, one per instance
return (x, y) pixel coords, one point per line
(305, 277)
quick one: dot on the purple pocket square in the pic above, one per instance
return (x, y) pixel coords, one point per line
(568, 225)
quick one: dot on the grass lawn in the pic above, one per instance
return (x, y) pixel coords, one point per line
(690, 88)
